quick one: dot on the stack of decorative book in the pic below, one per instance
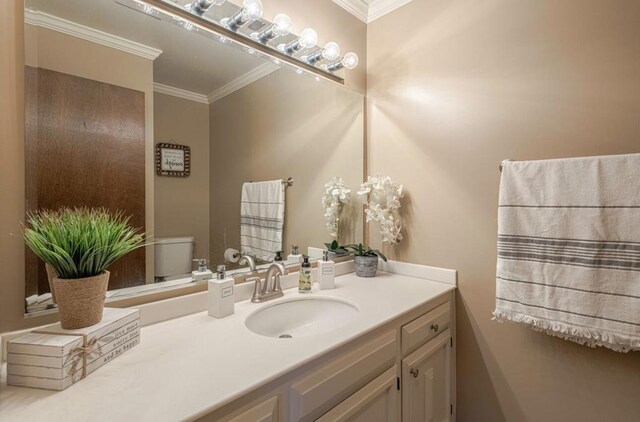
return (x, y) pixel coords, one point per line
(53, 358)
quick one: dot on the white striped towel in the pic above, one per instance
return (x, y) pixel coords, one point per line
(262, 219)
(569, 249)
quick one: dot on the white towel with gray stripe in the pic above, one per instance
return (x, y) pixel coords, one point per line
(569, 249)
(262, 219)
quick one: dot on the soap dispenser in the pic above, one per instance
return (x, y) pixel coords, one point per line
(304, 280)
(295, 257)
(221, 295)
(202, 273)
(326, 272)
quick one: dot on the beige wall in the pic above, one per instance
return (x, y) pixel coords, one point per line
(279, 126)
(454, 88)
(182, 204)
(332, 23)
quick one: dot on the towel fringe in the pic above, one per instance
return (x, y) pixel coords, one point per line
(585, 336)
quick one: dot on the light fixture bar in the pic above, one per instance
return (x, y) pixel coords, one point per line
(208, 25)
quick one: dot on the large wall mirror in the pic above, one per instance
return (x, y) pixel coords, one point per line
(109, 88)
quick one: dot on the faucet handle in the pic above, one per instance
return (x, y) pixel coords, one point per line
(257, 288)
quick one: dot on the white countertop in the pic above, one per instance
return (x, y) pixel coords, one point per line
(186, 367)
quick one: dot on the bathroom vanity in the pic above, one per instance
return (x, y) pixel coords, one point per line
(388, 356)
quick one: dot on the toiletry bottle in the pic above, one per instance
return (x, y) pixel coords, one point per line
(295, 257)
(221, 295)
(326, 272)
(278, 257)
(304, 282)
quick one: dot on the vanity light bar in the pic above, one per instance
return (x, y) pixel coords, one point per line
(184, 14)
(253, 9)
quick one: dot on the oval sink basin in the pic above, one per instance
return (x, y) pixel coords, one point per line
(301, 317)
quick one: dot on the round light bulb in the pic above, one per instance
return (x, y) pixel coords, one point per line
(283, 23)
(350, 60)
(308, 38)
(331, 51)
(254, 8)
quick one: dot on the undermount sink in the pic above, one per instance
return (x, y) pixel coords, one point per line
(301, 317)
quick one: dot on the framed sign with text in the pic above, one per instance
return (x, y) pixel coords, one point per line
(173, 160)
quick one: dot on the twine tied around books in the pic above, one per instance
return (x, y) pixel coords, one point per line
(79, 355)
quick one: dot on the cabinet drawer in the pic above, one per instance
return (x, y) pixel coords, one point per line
(421, 330)
(316, 393)
(375, 402)
(266, 411)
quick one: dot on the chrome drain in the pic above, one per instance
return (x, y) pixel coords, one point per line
(285, 336)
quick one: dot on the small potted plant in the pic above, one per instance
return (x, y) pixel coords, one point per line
(335, 249)
(366, 259)
(79, 245)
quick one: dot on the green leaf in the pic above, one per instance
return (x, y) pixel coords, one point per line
(80, 242)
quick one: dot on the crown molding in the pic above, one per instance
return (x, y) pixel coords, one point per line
(242, 81)
(64, 26)
(180, 93)
(357, 8)
(370, 10)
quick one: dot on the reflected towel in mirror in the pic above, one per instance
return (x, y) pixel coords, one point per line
(262, 219)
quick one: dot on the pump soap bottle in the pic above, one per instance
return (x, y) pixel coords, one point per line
(326, 272)
(295, 257)
(304, 282)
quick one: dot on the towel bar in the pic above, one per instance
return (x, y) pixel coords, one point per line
(502, 164)
(288, 182)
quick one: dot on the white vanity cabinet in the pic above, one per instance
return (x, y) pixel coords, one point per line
(426, 382)
(375, 402)
(402, 371)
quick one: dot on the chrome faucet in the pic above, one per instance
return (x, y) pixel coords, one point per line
(248, 259)
(270, 288)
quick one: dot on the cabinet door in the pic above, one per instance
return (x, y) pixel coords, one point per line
(426, 382)
(266, 411)
(375, 402)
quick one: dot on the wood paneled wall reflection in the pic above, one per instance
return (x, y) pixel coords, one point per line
(84, 147)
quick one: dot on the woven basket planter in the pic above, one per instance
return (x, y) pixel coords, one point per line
(81, 300)
(366, 266)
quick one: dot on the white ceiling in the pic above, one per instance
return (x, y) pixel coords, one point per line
(370, 10)
(189, 60)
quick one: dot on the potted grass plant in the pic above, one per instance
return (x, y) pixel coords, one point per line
(366, 259)
(79, 244)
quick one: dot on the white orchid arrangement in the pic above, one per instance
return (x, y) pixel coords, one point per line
(382, 197)
(336, 195)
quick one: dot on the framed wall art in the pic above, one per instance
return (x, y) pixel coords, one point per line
(173, 160)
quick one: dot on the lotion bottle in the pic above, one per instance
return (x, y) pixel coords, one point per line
(326, 272)
(304, 280)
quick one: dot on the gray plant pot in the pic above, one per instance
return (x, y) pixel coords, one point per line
(366, 266)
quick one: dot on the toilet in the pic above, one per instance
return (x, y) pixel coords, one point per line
(173, 257)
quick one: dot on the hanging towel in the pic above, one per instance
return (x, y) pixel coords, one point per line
(262, 219)
(569, 249)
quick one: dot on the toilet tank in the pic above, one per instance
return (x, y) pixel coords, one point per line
(173, 256)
